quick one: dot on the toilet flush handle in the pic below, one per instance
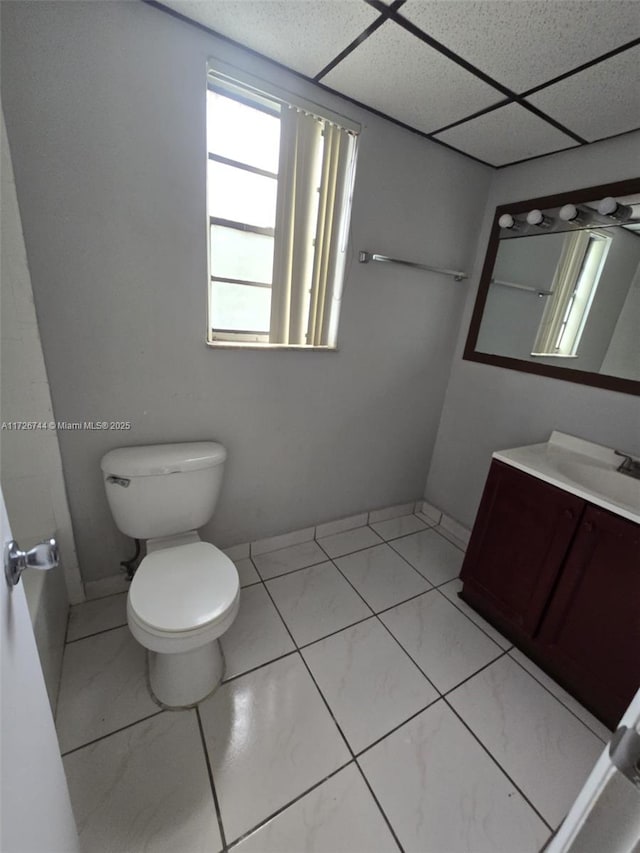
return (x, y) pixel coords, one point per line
(119, 481)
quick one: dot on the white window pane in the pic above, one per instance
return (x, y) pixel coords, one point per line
(241, 254)
(242, 133)
(240, 307)
(241, 196)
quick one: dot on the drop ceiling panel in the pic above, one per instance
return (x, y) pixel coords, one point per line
(399, 75)
(505, 135)
(601, 101)
(525, 44)
(302, 35)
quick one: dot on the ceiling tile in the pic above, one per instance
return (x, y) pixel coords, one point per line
(522, 45)
(396, 73)
(505, 135)
(301, 35)
(601, 101)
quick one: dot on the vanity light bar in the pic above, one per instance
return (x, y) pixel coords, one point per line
(607, 207)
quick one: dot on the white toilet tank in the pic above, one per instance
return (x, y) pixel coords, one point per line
(163, 489)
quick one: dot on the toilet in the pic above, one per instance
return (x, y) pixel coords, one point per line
(185, 593)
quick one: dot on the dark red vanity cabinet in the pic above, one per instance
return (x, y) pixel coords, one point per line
(561, 578)
(521, 536)
(591, 630)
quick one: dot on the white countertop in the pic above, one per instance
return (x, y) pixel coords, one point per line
(585, 469)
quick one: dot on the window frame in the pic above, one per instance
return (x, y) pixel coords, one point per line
(232, 83)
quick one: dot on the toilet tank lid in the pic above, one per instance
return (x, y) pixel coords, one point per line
(147, 460)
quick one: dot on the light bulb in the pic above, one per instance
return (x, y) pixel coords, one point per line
(507, 221)
(570, 213)
(537, 217)
(610, 207)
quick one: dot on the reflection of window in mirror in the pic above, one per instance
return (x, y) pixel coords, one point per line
(574, 285)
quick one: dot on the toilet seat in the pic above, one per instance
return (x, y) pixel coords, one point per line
(182, 597)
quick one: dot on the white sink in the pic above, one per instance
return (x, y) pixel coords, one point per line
(581, 467)
(608, 482)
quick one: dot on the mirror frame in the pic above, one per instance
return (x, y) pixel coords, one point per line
(583, 377)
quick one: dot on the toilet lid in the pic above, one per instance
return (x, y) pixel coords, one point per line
(182, 588)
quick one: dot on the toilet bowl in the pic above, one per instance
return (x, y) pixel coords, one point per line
(185, 593)
(181, 599)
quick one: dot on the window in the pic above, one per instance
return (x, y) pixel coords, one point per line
(279, 180)
(573, 288)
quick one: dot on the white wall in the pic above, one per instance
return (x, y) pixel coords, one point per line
(105, 112)
(489, 408)
(30, 464)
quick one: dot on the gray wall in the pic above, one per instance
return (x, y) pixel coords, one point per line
(623, 356)
(30, 464)
(489, 408)
(105, 113)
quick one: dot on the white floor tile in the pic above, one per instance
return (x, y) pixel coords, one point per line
(451, 591)
(547, 752)
(257, 635)
(289, 559)
(246, 572)
(388, 512)
(339, 816)
(97, 615)
(443, 794)
(371, 685)
(103, 687)
(145, 788)
(392, 528)
(560, 693)
(381, 576)
(316, 601)
(351, 540)
(269, 738)
(432, 555)
(443, 642)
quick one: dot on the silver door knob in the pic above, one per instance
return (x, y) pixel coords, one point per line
(42, 556)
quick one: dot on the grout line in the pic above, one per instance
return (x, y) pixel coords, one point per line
(211, 782)
(291, 571)
(466, 615)
(338, 631)
(348, 745)
(391, 634)
(238, 675)
(557, 698)
(96, 634)
(356, 550)
(279, 811)
(399, 726)
(114, 732)
(382, 811)
(502, 654)
(497, 763)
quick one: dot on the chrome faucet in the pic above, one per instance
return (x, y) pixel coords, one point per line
(629, 465)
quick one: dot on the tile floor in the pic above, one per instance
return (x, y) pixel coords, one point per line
(365, 709)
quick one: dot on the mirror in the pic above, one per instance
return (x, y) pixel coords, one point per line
(560, 288)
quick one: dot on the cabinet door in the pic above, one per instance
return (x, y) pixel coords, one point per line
(521, 536)
(591, 632)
